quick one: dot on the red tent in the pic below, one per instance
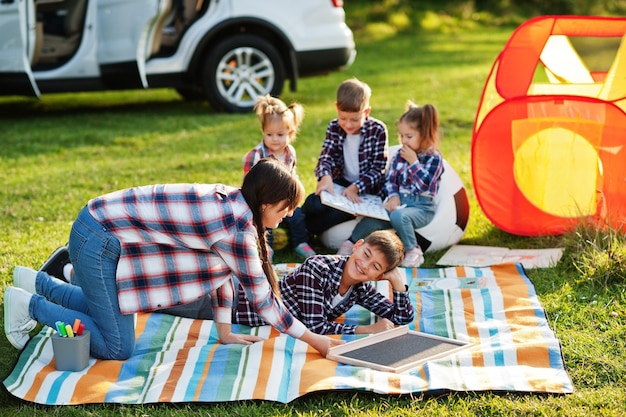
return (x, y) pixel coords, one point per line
(549, 134)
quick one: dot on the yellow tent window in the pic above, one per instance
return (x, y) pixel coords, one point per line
(556, 170)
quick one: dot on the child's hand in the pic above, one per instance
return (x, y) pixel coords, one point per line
(408, 154)
(325, 184)
(396, 278)
(352, 194)
(392, 204)
(379, 326)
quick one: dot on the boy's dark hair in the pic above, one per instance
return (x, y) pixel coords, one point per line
(389, 244)
(353, 96)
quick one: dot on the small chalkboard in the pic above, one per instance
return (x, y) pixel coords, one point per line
(395, 350)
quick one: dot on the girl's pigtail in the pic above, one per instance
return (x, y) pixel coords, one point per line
(261, 107)
(266, 262)
(430, 117)
(297, 111)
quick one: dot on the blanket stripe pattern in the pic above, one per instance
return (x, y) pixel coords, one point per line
(180, 360)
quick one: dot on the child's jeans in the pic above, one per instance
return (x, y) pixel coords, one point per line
(419, 211)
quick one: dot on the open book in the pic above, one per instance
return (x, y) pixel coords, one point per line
(371, 205)
(480, 256)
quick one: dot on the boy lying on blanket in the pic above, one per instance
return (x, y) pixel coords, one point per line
(324, 287)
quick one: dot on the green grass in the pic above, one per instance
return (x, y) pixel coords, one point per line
(65, 149)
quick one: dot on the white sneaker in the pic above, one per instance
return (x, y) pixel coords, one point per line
(345, 248)
(17, 320)
(413, 258)
(24, 278)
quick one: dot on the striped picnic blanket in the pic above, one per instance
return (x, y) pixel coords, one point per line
(180, 360)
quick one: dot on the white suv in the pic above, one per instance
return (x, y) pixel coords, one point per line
(226, 51)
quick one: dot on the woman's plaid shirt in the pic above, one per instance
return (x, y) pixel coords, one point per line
(180, 242)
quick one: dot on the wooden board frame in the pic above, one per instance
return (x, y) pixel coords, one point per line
(363, 352)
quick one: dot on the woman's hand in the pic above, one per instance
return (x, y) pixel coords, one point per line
(320, 342)
(227, 338)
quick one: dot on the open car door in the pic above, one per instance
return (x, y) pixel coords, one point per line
(17, 48)
(127, 33)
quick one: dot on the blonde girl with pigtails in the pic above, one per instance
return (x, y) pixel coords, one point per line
(279, 126)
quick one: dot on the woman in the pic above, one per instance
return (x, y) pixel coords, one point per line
(153, 247)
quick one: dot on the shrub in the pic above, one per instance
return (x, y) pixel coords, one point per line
(599, 254)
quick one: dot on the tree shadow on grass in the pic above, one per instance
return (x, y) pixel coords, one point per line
(76, 104)
(30, 127)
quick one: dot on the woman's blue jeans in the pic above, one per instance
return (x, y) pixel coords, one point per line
(92, 296)
(419, 211)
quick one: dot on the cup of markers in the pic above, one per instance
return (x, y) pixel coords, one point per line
(70, 345)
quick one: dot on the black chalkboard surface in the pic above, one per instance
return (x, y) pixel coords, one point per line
(395, 350)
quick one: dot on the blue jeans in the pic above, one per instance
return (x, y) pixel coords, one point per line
(94, 253)
(419, 211)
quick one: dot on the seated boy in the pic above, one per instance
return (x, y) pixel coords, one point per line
(353, 155)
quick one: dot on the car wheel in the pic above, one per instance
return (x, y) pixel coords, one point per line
(239, 70)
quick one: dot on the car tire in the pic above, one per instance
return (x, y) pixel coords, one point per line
(239, 70)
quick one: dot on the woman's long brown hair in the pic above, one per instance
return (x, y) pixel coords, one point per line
(270, 182)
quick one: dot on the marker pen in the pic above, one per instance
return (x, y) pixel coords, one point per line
(61, 328)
